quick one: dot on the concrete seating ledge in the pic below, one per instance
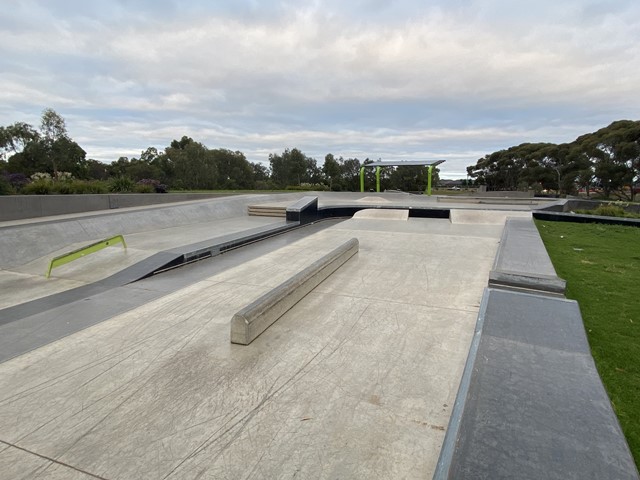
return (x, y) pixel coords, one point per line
(255, 318)
(530, 403)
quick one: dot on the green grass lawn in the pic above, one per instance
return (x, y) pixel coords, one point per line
(601, 264)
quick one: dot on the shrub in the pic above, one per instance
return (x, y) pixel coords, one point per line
(155, 185)
(95, 186)
(609, 211)
(144, 188)
(121, 185)
(5, 186)
(38, 187)
(308, 187)
(65, 188)
(17, 180)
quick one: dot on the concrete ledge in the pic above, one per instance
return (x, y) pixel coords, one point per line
(577, 218)
(522, 251)
(543, 284)
(256, 317)
(531, 404)
(304, 210)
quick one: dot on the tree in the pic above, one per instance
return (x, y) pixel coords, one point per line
(234, 171)
(350, 174)
(292, 168)
(192, 164)
(331, 169)
(14, 138)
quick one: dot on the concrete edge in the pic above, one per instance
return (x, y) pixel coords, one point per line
(541, 284)
(445, 459)
(248, 323)
(578, 218)
(454, 435)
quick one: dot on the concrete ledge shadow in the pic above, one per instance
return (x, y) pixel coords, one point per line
(255, 318)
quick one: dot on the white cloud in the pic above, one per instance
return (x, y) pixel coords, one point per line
(405, 79)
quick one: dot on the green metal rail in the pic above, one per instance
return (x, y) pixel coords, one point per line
(81, 252)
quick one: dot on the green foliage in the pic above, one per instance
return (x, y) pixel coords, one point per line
(608, 159)
(41, 186)
(601, 265)
(609, 210)
(144, 188)
(121, 185)
(308, 187)
(5, 186)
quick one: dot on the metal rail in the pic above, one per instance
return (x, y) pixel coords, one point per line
(81, 252)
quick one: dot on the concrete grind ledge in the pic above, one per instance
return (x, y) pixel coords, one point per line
(531, 404)
(255, 318)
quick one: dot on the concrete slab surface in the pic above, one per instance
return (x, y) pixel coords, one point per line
(357, 380)
(485, 217)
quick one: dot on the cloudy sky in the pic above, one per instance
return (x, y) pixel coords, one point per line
(396, 80)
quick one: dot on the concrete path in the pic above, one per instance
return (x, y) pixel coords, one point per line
(355, 381)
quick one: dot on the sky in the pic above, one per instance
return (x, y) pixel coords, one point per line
(391, 80)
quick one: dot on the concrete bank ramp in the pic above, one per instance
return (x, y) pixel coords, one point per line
(21, 244)
(484, 217)
(382, 214)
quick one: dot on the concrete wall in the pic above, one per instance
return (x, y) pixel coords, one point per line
(18, 207)
(21, 244)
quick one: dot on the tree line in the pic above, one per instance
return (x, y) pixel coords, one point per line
(607, 160)
(44, 152)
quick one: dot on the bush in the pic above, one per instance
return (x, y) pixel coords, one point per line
(5, 186)
(65, 188)
(149, 185)
(17, 180)
(144, 188)
(121, 185)
(308, 187)
(38, 187)
(95, 186)
(609, 211)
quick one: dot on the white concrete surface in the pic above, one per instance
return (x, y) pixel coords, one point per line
(383, 214)
(355, 381)
(484, 217)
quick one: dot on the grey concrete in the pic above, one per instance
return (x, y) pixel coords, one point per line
(355, 381)
(31, 325)
(522, 250)
(535, 406)
(543, 284)
(15, 207)
(584, 218)
(23, 243)
(248, 323)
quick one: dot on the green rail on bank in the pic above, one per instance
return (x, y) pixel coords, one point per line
(83, 251)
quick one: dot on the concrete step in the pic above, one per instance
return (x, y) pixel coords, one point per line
(267, 211)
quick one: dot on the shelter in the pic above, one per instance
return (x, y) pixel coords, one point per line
(418, 163)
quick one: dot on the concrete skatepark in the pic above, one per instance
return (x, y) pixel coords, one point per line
(441, 346)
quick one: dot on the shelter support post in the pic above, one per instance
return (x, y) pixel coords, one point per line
(362, 179)
(378, 179)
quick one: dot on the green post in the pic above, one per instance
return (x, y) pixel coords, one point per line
(429, 180)
(362, 179)
(378, 179)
